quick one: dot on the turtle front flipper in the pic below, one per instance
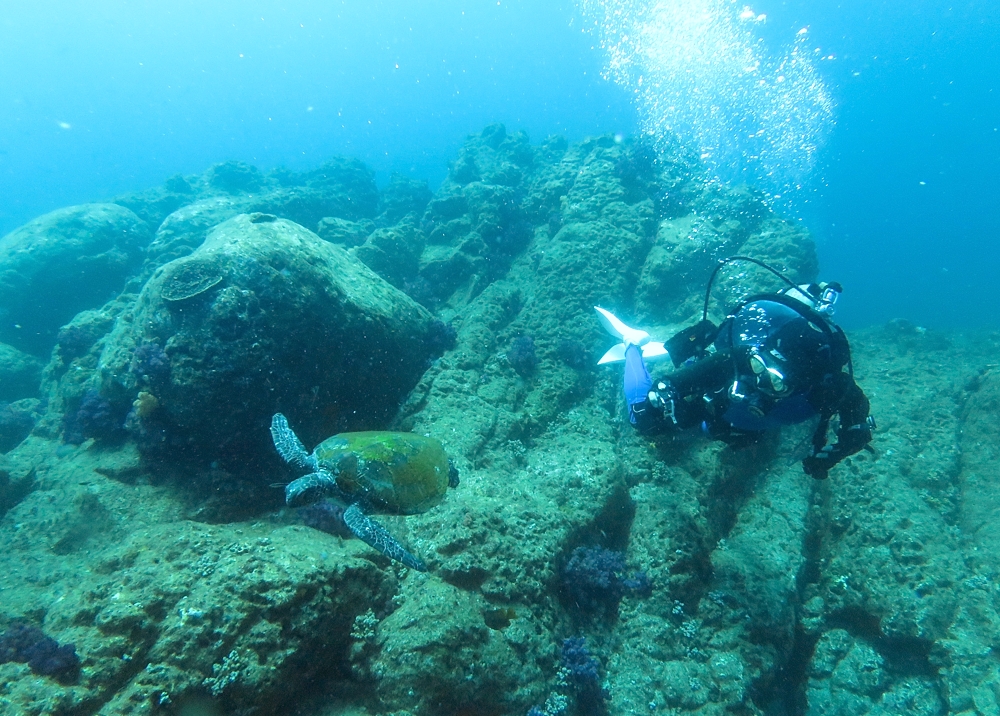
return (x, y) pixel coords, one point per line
(375, 535)
(308, 488)
(288, 445)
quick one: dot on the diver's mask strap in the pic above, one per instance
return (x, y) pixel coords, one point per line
(827, 301)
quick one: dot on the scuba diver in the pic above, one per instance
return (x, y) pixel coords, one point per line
(777, 359)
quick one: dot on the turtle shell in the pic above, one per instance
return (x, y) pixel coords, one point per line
(401, 473)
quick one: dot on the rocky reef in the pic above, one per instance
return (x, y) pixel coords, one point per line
(577, 569)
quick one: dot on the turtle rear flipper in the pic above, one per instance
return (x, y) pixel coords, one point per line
(288, 445)
(375, 535)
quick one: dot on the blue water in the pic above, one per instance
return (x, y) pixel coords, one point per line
(899, 183)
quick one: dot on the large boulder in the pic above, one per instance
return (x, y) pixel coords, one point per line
(182, 231)
(63, 263)
(20, 374)
(341, 188)
(265, 316)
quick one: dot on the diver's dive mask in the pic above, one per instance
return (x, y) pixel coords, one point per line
(770, 377)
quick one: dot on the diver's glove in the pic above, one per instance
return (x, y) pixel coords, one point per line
(849, 441)
(855, 437)
(818, 466)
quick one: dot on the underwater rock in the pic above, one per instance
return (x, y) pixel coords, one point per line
(403, 196)
(344, 232)
(493, 157)
(234, 177)
(63, 263)
(252, 616)
(266, 316)
(77, 337)
(344, 186)
(340, 188)
(980, 449)
(474, 236)
(17, 420)
(848, 676)
(72, 373)
(185, 229)
(20, 374)
(393, 252)
(448, 660)
(724, 222)
(154, 205)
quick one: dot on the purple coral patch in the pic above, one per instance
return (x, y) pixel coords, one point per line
(43, 654)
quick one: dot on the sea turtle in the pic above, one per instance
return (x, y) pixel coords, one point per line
(378, 471)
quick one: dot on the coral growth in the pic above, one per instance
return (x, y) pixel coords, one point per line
(29, 644)
(574, 354)
(150, 364)
(95, 417)
(593, 579)
(522, 356)
(441, 337)
(579, 680)
(584, 676)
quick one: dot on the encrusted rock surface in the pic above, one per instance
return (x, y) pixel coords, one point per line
(20, 374)
(263, 317)
(756, 589)
(74, 258)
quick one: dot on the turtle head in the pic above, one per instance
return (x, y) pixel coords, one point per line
(325, 481)
(307, 489)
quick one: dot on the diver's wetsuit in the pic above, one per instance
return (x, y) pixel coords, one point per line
(776, 362)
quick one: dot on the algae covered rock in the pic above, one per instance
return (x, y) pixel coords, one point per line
(177, 614)
(185, 229)
(63, 263)
(20, 374)
(264, 316)
(393, 252)
(403, 196)
(340, 188)
(344, 232)
(436, 655)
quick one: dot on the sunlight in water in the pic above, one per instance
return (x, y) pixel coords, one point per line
(698, 70)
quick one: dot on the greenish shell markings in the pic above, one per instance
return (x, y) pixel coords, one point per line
(403, 473)
(399, 473)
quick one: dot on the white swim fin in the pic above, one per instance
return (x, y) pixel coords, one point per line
(630, 336)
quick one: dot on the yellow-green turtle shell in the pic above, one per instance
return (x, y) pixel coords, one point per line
(402, 473)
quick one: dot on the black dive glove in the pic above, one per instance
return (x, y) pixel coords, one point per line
(849, 441)
(818, 466)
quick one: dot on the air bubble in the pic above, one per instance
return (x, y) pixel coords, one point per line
(698, 73)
